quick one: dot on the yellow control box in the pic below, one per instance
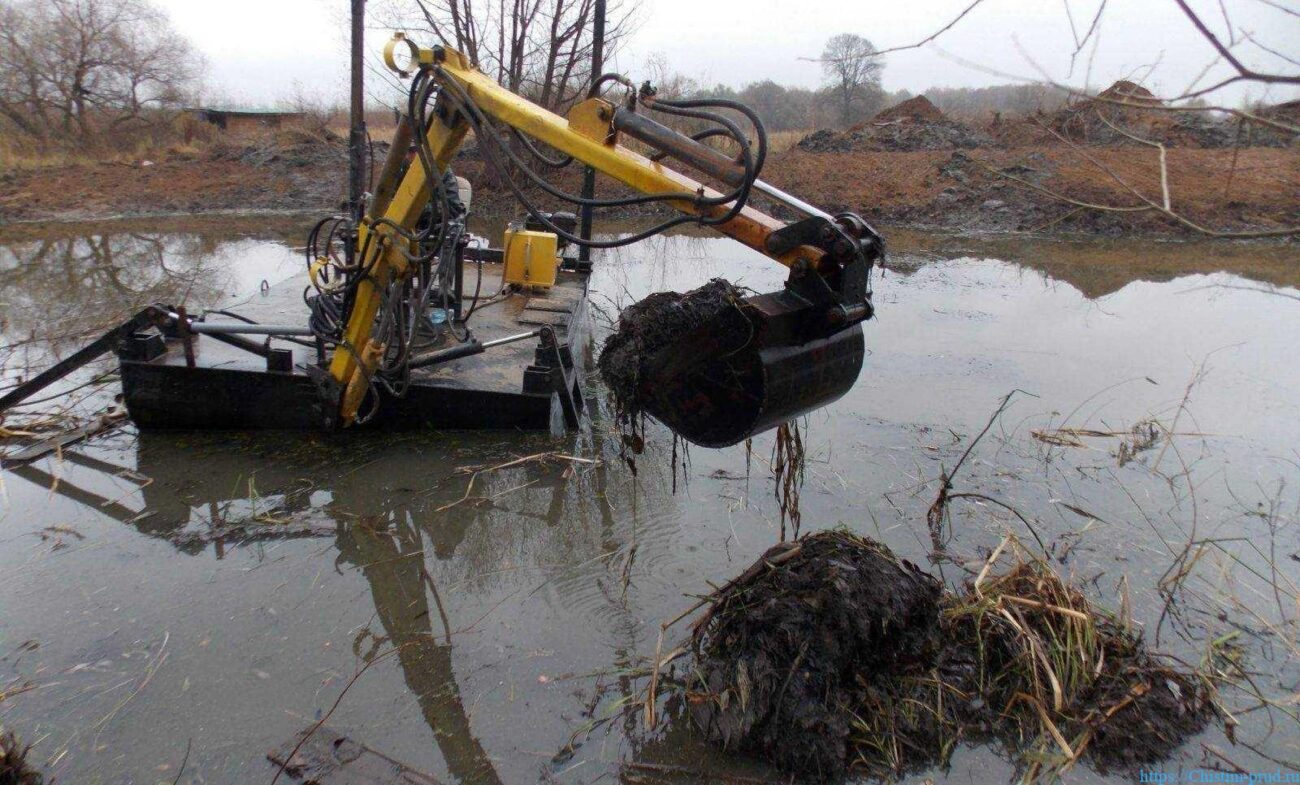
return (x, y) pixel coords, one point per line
(530, 258)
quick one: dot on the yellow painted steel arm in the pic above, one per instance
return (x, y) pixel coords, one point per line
(378, 252)
(587, 134)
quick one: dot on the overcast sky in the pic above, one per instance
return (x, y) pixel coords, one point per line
(264, 51)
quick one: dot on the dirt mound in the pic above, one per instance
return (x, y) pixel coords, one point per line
(1127, 114)
(917, 110)
(646, 327)
(1121, 115)
(898, 136)
(1128, 92)
(1288, 112)
(781, 652)
(830, 652)
(914, 124)
(286, 148)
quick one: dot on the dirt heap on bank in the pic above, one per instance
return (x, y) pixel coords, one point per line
(917, 109)
(1122, 110)
(914, 124)
(830, 653)
(1127, 114)
(288, 148)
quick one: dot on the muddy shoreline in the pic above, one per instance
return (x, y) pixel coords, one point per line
(981, 192)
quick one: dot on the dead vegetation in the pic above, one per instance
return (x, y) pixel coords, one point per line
(14, 766)
(830, 654)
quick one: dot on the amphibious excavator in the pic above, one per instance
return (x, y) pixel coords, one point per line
(391, 331)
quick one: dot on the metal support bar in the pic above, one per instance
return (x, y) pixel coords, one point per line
(791, 201)
(467, 349)
(107, 342)
(242, 328)
(589, 174)
(357, 134)
(511, 339)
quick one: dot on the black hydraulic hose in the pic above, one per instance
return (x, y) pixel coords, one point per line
(690, 109)
(556, 163)
(754, 164)
(707, 133)
(477, 121)
(594, 90)
(760, 130)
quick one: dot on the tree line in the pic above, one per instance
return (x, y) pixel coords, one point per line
(87, 69)
(108, 72)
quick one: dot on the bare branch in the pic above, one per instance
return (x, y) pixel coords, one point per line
(936, 33)
(1243, 73)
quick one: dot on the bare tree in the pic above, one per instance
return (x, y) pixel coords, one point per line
(81, 66)
(853, 70)
(541, 48)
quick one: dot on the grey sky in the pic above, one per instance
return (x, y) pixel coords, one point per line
(263, 51)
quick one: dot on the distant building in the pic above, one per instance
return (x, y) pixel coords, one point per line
(245, 120)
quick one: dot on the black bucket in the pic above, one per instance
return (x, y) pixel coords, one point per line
(751, 368)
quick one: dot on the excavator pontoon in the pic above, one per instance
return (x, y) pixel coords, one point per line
(383, 330)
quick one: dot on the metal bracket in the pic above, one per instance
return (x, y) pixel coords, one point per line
(851, 244)
(550, 374)
(109, 341)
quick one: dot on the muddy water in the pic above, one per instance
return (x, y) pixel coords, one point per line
(507, 625)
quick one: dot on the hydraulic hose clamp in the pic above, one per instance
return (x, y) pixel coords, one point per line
(390, 52)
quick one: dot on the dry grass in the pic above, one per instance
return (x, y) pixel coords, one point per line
(1037, 668)
(781, 141)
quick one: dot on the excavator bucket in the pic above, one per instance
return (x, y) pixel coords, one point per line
(750, 367)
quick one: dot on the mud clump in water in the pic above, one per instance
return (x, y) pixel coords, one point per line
(781, 652)
(830, 653)
(14, 768)
(648, 326)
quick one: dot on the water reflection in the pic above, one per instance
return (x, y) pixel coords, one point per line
(60, 285)
(389, 552)
(505, 597)
(395, 519)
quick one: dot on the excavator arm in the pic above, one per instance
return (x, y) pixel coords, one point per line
(808, 331)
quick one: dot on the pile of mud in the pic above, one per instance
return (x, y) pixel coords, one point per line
(780, 655)
(915, 124)
(1127, 114)
(649, 325)
(286, 148)
(1123, 115)
(917, 109)
(831, 654)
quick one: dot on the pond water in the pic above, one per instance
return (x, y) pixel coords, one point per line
(505, 628)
